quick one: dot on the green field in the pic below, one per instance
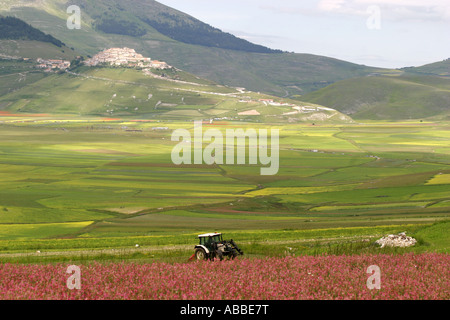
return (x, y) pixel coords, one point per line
(84, 187)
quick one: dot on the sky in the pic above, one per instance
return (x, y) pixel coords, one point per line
(380, 33)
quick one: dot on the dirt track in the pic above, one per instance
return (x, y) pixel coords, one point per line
(95, 252)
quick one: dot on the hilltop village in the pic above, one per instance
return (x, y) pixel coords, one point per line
(125, 57)
(113, 57)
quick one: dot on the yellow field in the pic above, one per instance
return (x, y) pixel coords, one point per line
(440, 179)
(301, 190)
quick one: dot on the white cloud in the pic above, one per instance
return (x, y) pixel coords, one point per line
(435, 10)
(331, 5)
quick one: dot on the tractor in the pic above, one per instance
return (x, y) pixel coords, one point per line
(212, 246)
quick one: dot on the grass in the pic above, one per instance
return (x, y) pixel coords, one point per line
(37, 230)
(435, 237)
(255, 243)
(95, 186)
(81, 179)
(36, 49)
(441, 68)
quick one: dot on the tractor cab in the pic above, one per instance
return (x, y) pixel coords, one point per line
(209, 239)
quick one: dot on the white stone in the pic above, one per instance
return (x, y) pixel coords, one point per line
(401, 240)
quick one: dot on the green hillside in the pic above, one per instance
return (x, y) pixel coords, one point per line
(32, 49)
(169, 94)
(441, 68)
(16, 29)
(19, 40)
(281, 74)
(387, 97)
(14, 75)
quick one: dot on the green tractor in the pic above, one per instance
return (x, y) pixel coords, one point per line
(213, 246)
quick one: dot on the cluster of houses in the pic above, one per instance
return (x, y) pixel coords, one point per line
(113, 56)
(299, 109)
(270, 102)
(52, 64)
(124, 57)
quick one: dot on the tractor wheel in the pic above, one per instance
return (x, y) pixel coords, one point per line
(200, 254)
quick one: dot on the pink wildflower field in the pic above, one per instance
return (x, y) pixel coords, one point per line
(409, 276)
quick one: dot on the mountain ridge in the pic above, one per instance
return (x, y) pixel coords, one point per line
(281, 74)
(439, 68)
(387, 97)
(171, 23)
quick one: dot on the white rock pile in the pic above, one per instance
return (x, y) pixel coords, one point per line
(401, 240)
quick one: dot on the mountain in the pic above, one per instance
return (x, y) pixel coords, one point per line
(441, 68)
(143, 92)
(387, 97)
(167, 34)
(133, 17)
(163, 33)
